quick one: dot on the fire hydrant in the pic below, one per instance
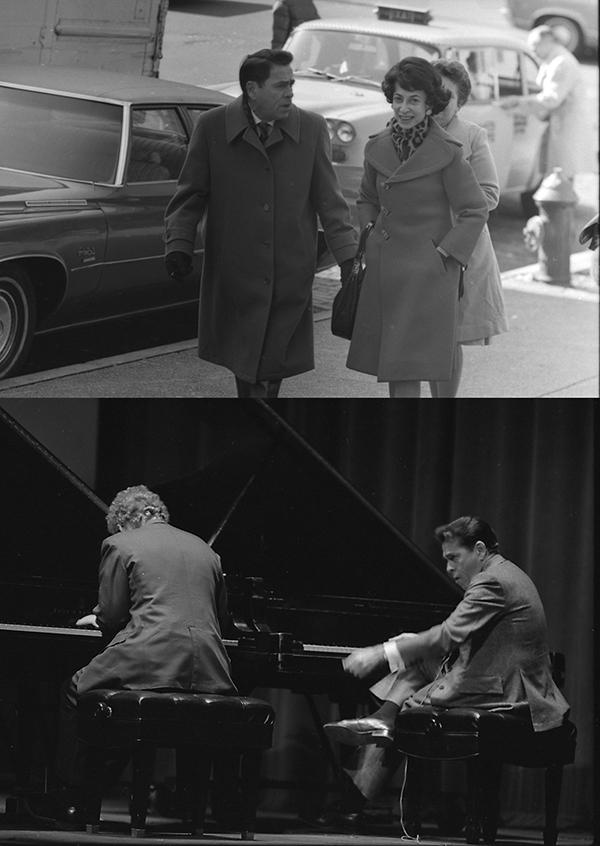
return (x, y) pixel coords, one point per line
(551, 232)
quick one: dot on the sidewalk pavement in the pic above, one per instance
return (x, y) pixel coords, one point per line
(550, 351)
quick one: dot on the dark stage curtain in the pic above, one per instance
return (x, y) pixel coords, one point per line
(525, 466)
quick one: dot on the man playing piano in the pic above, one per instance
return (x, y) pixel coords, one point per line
(491, 652)
(162, 604)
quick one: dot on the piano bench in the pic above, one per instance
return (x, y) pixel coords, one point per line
(196, 725)
(487, 740)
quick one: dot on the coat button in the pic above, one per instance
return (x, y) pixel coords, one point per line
(266, 207)
(385, 234)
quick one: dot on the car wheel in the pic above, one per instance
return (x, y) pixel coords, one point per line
(17, 318)
(567, 31)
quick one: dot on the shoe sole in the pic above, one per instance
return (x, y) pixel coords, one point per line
(341, 734)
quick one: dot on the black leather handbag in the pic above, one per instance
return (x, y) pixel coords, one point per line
(345, 302)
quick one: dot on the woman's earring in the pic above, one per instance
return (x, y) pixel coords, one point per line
(427, 111)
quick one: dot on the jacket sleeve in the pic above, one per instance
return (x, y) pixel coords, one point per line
(367, 203)
(559, 80)
(223, 614)
(328, 201)
(113, 591)
(483, 601)
(187, 206)
(484, 167)
(281, 24)
(469, 205)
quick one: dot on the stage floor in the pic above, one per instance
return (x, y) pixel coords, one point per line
(270, 832)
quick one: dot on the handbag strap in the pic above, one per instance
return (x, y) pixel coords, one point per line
(362, 241)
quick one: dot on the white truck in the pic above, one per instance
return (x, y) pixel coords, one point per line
(119, 35)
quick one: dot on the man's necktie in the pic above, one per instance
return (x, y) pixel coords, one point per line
(264, 130)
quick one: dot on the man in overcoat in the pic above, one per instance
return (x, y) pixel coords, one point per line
(491, 652)
(258, 176)
(560, 101)
(287, 15)
(162, 607)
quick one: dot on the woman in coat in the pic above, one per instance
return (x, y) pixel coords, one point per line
(481, 308)
(428, 211)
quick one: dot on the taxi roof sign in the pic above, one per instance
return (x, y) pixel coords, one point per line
(391, 11)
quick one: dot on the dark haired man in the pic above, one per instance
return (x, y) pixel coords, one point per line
(258, 174)
(491, 652)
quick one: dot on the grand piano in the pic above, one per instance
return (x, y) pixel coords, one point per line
(312, 568)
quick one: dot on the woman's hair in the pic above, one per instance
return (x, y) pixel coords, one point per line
(467, 531)
(132, 507)
(415, 74)
(256, 67)
(458, 74)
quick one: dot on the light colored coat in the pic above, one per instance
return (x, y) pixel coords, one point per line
(562, 97)
(258, 205)
(499, 629)
(407, 314)
(481, 308)
(162, 600)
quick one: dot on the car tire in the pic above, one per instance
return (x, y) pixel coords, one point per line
(17, 318)
(568, 31)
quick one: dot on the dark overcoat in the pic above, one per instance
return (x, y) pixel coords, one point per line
(259, 206)
(162, 600)
(407, 314)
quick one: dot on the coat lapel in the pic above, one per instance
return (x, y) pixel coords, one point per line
(432, 155)
(236, 124)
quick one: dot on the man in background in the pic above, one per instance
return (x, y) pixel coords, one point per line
(287, 14)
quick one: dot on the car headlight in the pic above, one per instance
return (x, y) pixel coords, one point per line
(340, 131)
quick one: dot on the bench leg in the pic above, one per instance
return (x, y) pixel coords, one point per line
(250, 780)
(553, 787)
(93, 778)
(142, 769)
(413, 788)
(193, 776)
(483, 786)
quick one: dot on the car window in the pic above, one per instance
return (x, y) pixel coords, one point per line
(195, 111)
(530, 72)
(508, 69)
(158, 145)
(477, 62)
(357, 54)
(81, 138)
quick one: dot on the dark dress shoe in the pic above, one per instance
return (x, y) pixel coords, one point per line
(360, 732)
(60, 809)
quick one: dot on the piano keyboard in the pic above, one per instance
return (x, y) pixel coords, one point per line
(21, 628)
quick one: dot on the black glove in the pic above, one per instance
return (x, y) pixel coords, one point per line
(345, 270)
(179, 265)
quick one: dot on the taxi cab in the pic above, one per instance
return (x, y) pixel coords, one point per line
(339, 65)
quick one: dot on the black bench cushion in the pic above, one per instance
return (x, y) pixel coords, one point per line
(506, 736)
(120, 717)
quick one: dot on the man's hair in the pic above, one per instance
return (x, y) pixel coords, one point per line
(467, 531)
(132, 507)
(458, 74)
(256, 67)
(415, 74)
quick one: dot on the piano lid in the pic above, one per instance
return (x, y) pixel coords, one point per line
(275, 508)
(53, 522)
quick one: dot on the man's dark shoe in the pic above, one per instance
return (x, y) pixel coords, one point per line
(337, 819)
(60, 809)
(360, 732)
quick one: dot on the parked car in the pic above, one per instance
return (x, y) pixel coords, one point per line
(89, 161)
(575, 21)
(339, 64)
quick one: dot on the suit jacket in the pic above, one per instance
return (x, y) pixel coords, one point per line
(162, 601)
(259, 206)
(499, 630)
